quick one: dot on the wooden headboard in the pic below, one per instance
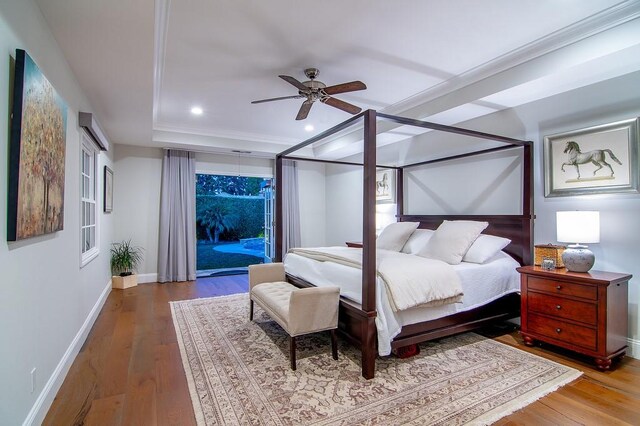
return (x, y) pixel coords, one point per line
(517, 228)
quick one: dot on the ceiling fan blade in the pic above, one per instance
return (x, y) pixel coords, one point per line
(304, 110)
(351, 86)
(277, 99)
(294, 82)
(337, 103)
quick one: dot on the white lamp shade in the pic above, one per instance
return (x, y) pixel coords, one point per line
(578, 227)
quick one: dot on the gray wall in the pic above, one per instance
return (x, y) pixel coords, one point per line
(138, 173)
(47, 302)
(602, 103)
(311, 183)
(343, 204)
(491, 184)
(472, 186)
(136, 202)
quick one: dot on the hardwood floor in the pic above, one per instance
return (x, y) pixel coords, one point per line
(129, 370)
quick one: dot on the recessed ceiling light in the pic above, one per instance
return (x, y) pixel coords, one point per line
(309, 127)
(196, 110)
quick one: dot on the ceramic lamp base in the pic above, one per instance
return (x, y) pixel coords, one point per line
(577, 258)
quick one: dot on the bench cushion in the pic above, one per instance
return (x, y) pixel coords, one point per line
(274, 298)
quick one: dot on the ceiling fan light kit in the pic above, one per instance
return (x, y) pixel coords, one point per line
(315, 90)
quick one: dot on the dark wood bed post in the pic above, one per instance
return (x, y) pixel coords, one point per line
(527, 202)
(369, 349)
(279, 231)
(399, 191)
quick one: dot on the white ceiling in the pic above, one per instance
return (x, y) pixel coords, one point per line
(143, 65)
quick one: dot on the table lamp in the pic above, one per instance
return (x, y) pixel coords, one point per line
(578, 227)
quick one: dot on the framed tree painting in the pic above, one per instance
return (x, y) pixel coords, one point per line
(36, 154)
(108, 190)
(385, 186)
(595, 160)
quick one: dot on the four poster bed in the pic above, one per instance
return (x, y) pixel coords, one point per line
(357, 322)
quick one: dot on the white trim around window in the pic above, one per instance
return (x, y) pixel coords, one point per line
(89, 217)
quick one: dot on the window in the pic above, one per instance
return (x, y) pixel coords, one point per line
(88, 200)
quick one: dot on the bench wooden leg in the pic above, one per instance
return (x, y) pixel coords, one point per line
(292, 352)
(334, 344)
(250, 310)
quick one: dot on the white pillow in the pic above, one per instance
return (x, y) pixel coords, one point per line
(452, 239)
(417, 241)
(395, 235)
(484, 248)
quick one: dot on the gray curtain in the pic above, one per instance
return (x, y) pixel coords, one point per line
(290, 205)
(177, 241)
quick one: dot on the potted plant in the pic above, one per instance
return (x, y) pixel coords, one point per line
(125, 258)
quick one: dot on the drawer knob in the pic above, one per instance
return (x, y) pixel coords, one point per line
(558, 307)
(558, 287)
(558, 330)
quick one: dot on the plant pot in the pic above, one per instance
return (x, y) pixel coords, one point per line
(124, 282)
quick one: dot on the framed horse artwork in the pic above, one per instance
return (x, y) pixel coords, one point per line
(385, 186)
(595, 160)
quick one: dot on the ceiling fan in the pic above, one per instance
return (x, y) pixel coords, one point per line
(315, 90)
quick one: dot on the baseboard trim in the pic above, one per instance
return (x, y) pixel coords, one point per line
(43, 403)
(634, 348)
(147, 278)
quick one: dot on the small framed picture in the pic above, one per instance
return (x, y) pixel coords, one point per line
(108, 190)
(548, 263)
(386, 186)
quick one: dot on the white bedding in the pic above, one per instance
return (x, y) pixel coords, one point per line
(410, 281)
(481, 284)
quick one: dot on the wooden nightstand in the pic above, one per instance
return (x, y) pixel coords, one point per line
(583, 312)
(353, 244)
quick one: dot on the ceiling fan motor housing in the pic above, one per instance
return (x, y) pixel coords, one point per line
(315, 91)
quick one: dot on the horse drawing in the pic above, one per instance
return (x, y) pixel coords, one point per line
(382, 186)
(575, 157)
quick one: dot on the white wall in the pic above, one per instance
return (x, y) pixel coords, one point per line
(343, 204)
(476, 185)
(234, 165)
(619, 213)
(136, 202)
(137, 177)
(450, 188)
(47, 302)
(311, 184)
(601, 103)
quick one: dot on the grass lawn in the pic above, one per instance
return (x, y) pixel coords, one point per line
(207, 258)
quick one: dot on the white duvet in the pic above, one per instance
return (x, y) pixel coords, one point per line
(410, 281)
(481, 284)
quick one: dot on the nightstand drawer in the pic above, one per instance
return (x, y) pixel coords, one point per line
(561, 287)
(563, 331)
(563, 308)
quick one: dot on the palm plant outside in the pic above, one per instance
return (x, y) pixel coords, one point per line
(217, 219)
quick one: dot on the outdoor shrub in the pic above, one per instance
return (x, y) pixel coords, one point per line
(234, 217)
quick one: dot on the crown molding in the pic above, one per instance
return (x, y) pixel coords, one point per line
(602, 21)
(227, 134)
(160, 43)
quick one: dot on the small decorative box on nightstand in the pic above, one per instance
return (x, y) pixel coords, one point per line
(584, 312)
(543, 251)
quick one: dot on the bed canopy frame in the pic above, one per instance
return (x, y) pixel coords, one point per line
(357, 321)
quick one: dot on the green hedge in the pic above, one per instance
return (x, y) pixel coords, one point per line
(246, 214)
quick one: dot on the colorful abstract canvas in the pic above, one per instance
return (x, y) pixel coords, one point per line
(37, 154)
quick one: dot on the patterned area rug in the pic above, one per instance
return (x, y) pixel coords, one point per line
(238, 373)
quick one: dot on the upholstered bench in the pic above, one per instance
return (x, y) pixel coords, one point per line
(298, 310)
